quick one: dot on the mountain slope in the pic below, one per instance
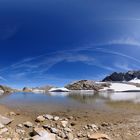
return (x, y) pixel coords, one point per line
(122, 76)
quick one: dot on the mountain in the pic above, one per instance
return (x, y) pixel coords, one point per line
(86, 85)
(122, 76)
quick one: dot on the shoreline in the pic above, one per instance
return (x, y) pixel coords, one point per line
(112, 124)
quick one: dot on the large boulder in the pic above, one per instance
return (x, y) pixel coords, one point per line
(86, 85)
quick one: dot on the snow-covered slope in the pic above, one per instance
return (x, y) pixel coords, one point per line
(135, 81)
(122, 87)
(59, 90)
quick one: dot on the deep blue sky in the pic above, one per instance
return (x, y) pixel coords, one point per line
(58, 41)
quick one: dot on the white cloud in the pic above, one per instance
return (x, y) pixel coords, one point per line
(2, 78)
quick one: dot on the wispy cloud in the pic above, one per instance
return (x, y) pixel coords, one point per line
(3, 79)
(125, 41)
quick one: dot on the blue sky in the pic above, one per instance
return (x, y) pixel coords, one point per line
(58, 41)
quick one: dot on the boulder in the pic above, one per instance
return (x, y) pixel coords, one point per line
(5, 120)
(42, 134)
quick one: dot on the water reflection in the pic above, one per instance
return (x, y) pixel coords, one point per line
(75, 99)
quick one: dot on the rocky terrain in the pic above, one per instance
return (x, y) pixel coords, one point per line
(86, 85)
(122, 76)
(42, 89)
(63, 126)
(6, 89)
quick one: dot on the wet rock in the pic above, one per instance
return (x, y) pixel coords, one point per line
(97, 136)
(64, 123)
(5, 120)
(40, 119)
(28, 124)
(49, 117)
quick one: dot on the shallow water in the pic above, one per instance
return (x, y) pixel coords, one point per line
(52, 102)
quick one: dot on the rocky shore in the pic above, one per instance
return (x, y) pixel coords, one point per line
(14, 125)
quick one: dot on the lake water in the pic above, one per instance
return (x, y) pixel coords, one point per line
(75, 100)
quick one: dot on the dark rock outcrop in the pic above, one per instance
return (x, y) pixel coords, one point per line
(26, 89)
(86, 85)
(6, 89)
(119, 77)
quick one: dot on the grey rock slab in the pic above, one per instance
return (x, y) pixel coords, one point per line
(5, 120)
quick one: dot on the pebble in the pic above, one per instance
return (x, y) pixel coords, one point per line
(64, 123)
(40, 119)
(56, 118)
(28, 124)
(49, 117)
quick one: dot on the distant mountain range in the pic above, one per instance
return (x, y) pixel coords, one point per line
(122, 76)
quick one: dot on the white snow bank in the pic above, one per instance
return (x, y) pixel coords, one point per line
(135, 80)
(59, 90)
(122, 87)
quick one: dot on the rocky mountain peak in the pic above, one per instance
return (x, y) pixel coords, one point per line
(122, 76)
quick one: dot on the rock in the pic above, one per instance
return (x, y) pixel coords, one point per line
(47, 136)
(73, 123)
(97, 136)
(20, 125)
(70, 136)
(123, 76)
(28, 124)
(49, 117)
(40, 119)
(39, 131)
(1, 126)
(93, 127)
(64, 123)
(70, 117)
(67, 129)
(20, 131)
(47, 126)
(104, 124)
(86, 85)
(5, 120)
(54, 130)
(4, 130)
(56, 118)
(12, 114)
(42, 134)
